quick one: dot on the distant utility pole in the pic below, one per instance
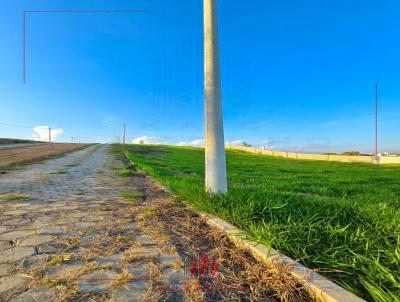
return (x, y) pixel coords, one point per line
(123, 130)
(216, 181)
(376, 120)
(49, 134)
(123, 134)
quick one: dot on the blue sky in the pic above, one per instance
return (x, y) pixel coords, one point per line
(297, 75)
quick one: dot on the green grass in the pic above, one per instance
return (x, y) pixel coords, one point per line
(17, 197)
(6, 141)
(343, 219)
(59, 172)
(125, 172)
(4, 171)
(128, 171)
(132, 196)
(8, 169)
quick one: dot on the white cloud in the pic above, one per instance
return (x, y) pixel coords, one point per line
(41, 133)
(149, 140)
(234, 143)
(194, 143)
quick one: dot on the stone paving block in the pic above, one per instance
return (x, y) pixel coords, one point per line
(173, 277)
(83, 225)
(169, 259)
(18, 222)
(35, 240)
(64, 271)
(5, 245)
(91, 218)
(113, 259)
(133, 291)
(66, 221)
(74, 215)
(59, 203)
(86, 240)
(140, 253)
(33, 207)
(6, 269)
(12, 285)
(67, 208)
(37, 294)
(130, 225)
(16, 254)
(139, 270)
(20, 205)
(34, 262)
(145, 240)
(43, 210)
(97, 281)
(14, 235)
(16, 212)
(54, 230)
(51, 247)
(44, 219)
(4, 229)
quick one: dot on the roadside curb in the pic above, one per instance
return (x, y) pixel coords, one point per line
(319, 287)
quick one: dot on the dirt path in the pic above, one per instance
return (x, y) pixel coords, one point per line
(71, 230)
(36, 152)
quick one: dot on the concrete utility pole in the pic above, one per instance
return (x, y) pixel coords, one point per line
(376, 120)
(216, 181)
(123, 134)
(49, 134)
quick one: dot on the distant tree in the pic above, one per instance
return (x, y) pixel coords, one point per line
(330, 153)
(244, 144)
(351, 153)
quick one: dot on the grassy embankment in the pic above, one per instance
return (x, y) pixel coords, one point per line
(342, 219)
(6, 141)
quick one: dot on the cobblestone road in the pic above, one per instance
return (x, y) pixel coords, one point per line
(67, 235)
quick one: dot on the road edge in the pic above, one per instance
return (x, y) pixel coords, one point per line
(318, 286)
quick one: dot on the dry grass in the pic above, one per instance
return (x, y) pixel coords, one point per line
(152, 294)
(147, 213)
(192, 294)
(67, 291)
(59, 259)
(238, 270)
(242, 277)
(134, 257)
(122, 279)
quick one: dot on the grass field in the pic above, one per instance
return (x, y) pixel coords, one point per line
(16, 141)
(341, 219)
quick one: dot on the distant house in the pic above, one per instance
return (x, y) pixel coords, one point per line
(390, 154)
